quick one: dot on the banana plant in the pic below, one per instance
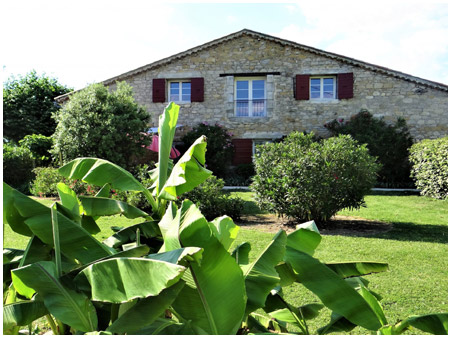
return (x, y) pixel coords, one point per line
(174, 271)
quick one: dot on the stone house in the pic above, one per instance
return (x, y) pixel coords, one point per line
(262, 87)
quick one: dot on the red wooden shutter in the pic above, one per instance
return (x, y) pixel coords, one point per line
(345, 85)
(302, 91)
(158, 90)
(197, 89)
(243, 151)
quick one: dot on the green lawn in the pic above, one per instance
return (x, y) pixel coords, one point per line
(415, 248)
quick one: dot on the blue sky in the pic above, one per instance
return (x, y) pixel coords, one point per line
(82, 42)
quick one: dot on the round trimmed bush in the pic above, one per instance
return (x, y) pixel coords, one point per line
(17, 167)
(308, 180)
(429, 160)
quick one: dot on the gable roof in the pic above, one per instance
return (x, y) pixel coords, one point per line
(248, 32)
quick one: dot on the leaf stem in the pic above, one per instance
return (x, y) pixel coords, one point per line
(52, 324)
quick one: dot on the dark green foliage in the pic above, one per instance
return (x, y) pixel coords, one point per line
(219, 150)
(17, 167)
(389, 143)
(44, 185)
(99, 123)
(429, 160)
(213, 202)
(241, 175)
(28, 104)
(306, 180)
(40, 147)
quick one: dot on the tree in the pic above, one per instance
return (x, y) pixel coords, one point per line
(99, 123)
(28, 104)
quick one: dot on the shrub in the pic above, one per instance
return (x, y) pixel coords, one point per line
(306, 180)
(429, 160)
(99, 123)
(40, 147)
(17, 167)
(390, 144)
(212, 201)
(47, 178)
(220, 148)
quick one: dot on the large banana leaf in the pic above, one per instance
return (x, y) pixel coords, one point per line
(100, 172)
(101, 206)
(22, 313)
(214, 297)
(72, 308)
(146, 311)
(188, 172)
(241, 253)
(76, 243)
(305, 238)
(333, 291)
(225, 230)
(147, 229)
(436, 323)
(119, 280)
(182, 256)
(353, 269)
(166, 132)
(261, 275)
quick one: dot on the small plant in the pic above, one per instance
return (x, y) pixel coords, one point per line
(388, 143)
(306, 180)
(220, 148)
(429, 160)
(213, 202)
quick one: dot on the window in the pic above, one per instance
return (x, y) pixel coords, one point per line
(323, 87)
(258, 143)
(180, 91)
(250, 97)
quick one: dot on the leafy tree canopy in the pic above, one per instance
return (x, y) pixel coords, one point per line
(28, 104)
(99, 123)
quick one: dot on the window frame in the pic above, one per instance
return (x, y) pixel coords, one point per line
(180, 87)
(321, 91)
(250, 98)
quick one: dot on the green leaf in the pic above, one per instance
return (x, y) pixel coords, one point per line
(101, 206)
(354, 269)
(23, 313)
(146, 311)
(436, 323)
(70, 201)
(224, 230)
(241, 253)
(337, 323)
(119, 280)
(166, 131)
(100, 172)
(305, 238)
(72, 308)
(333, 291)
(261, 276)
(182, 256)
(214, 297)
(286, 274)
(188, 172)
(126, 235)
(76, 242)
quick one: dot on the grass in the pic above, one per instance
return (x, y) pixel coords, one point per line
(415, 248)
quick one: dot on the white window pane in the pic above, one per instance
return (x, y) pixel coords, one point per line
(258, 107)
(242, 108)
(328, 95)
(315, 95)
(258, 84)
(329, 88)
(186, 85)
(328, 81)
(315, 88)
(186, 97)
(315, 82)
(173, 97)
(242, 85)
(242, 95)
(258, 94)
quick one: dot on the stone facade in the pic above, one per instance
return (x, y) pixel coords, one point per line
(385, 93)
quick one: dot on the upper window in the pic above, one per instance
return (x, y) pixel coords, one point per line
(323, 87)
(180, 91)
(250, 97)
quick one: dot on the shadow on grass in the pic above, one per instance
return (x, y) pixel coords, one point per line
(416, 233)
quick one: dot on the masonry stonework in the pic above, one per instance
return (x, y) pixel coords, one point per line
(384, 95)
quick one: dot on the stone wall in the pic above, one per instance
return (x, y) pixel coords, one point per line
(424, 108)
